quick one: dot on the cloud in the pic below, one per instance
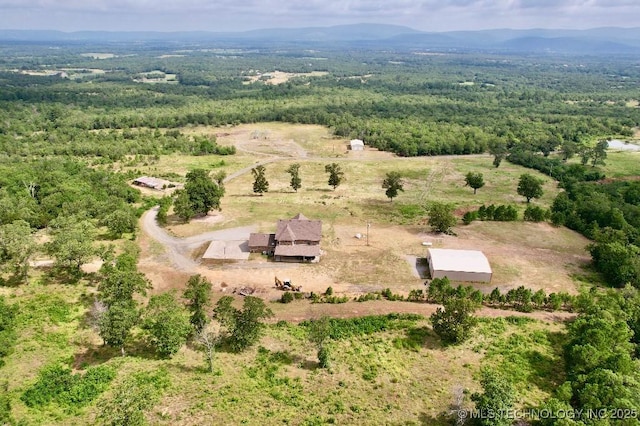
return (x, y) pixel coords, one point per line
(430, 15)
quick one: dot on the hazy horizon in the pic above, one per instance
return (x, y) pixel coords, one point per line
(230, 16)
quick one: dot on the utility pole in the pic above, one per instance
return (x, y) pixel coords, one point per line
(368, 226)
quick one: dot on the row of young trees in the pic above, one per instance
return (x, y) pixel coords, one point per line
(261, 184)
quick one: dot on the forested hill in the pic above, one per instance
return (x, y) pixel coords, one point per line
(596, 41)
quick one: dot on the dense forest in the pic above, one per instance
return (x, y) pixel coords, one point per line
(67, 118)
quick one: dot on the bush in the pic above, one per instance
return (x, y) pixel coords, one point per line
(536, 214)
(287, 297)
(324, 357)
(503, 213)
(57, 384)
(469, 217)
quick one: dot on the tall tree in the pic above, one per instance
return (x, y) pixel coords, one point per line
(498, 149)
(17, 245)
(208, 338)
(120, 281)
(244, 327)
(569, 149)
(441, 218)
(166, 324)
(182, 206)
(599, 153)
(454, 322)
(120, 221)
(319, 332)
(294, 171)
(198, 293)
(474, 180)
(71, 243)
(393, 183)
(204, 193)
(260, 183)
(336, 175)
(530, 187)
(116, 322)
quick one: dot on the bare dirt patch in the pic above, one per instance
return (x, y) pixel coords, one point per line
(279, 77)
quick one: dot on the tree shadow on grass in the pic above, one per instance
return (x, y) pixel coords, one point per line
(549, 369)
(417, 338)
(99, 354)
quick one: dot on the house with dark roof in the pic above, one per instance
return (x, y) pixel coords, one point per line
(296, 240)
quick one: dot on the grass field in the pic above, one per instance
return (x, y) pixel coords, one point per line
(399, 376)
(397, 228)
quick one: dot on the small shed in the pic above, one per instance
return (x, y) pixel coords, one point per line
(357, 145)
(459, 265)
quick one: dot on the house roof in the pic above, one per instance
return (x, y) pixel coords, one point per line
(459, 260)
(357, 142)
(262, 240)
(299, 229)
(297, 250)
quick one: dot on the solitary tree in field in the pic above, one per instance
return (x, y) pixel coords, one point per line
(198, 293)
(392, 183)
(335, 174)
(453, 322)
(294, 171)
(166, 324)
(530, 187)
(208, 338)
(474, 180)
(260, 183)
(243, 327)
(319, 333)
(441, 218)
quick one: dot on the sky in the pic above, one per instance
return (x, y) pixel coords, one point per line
(241, 15)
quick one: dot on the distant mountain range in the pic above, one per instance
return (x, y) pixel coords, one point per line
(595, 41)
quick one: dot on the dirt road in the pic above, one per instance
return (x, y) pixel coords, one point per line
(178, 249)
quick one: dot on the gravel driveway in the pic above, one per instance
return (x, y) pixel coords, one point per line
(178, 248)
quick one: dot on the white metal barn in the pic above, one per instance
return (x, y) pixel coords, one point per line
(357, 145)
(459, 265)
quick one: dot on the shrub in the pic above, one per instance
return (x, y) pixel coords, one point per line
(57, 384)
(286, 297)
(536, 214)
(469, 217)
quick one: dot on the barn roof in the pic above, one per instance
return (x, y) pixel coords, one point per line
(357, 142)
(459, 260)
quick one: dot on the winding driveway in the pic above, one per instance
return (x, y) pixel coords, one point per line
(178, 249)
